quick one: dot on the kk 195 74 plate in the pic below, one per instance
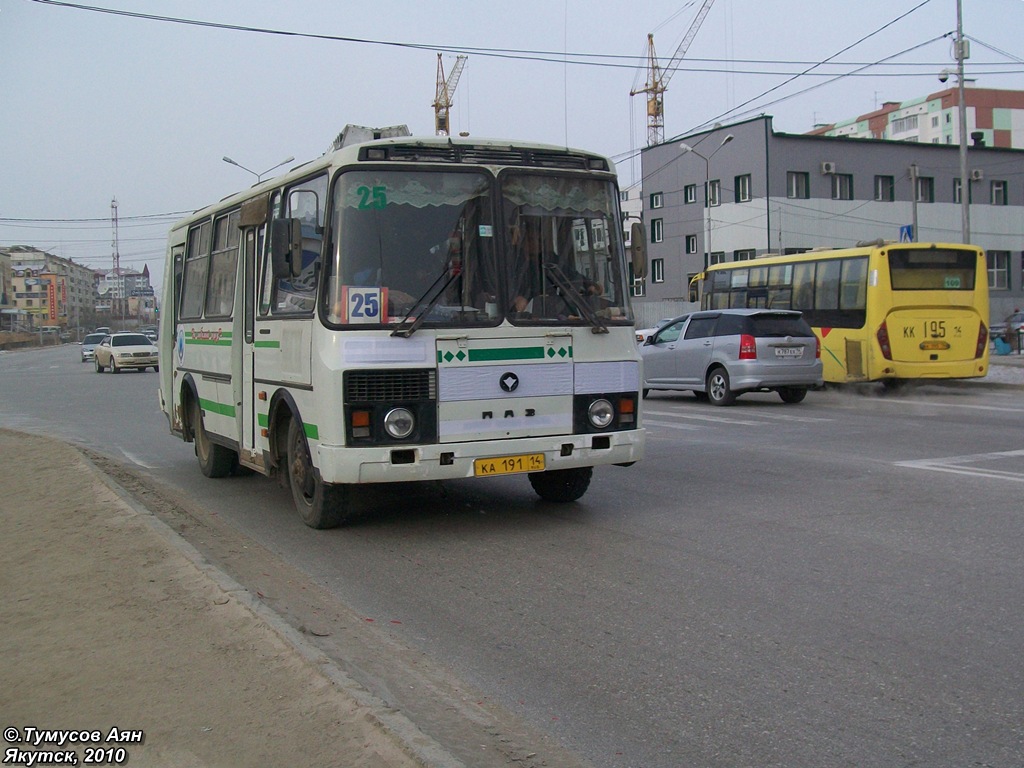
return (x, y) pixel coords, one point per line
(509, 465)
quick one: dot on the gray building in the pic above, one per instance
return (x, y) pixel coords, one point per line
(776, 192)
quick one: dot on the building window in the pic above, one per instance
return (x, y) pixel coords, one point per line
(637, 287)
(658, 270)
(998, 270)
(925, 192)
(624, 196)
(715, 192)
(691, 243)
(657, 230)
(657, 200)
(904, 124)
(718, 257)
(956, 192)
(998, 194)
(842, 186)
(885, 189)
(690, 193)
(745, 254)
(742, 188)
(798, 185)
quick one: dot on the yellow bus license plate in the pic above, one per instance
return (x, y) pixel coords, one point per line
(508, 465)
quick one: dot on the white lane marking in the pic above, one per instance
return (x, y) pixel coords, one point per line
(959, 465)
(667, 425)
(702, 417)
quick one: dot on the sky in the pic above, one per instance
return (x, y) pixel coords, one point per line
(98, 106)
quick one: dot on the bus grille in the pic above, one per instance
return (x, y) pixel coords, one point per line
(390, 386)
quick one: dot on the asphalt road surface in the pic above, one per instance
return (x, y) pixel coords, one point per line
(835, 583)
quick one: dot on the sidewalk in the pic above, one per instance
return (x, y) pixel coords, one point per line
(110, 620)
(1004, 369)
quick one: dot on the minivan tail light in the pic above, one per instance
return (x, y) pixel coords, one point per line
(883, 341)
(748, 347)
(817, 348)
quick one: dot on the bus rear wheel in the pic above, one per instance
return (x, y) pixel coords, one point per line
(214, 460)
(561, 485)
(319, 504)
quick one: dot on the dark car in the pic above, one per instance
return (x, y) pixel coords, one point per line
(720, 354)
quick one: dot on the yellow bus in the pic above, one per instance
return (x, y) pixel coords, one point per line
(884, 311)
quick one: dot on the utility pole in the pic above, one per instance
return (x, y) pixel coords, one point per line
(965, 181)
(117, 259)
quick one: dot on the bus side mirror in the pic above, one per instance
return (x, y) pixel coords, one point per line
(638, 249)
(286, 247)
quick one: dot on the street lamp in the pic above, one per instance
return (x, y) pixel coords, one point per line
(687, 149)
(259, 176)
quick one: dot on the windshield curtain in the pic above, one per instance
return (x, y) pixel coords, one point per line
(566, 225)
(402, 238)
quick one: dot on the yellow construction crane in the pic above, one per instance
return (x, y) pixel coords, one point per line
(658, 77)
(445, 91)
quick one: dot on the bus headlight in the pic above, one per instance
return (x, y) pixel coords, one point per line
(601, 413)
(399, 423)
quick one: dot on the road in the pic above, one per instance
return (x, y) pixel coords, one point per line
(833, 583)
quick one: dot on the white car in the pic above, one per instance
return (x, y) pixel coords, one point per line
(126, 350)
(89, 345)
(642, 334)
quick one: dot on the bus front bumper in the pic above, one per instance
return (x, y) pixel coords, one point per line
(338, 464)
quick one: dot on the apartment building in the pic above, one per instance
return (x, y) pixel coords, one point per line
(742, 190)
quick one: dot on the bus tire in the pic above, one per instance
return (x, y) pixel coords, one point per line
(561, 485)
(214, 460)
(718, 389)
(793, 394)
(319, 504)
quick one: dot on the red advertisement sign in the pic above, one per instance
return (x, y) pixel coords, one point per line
(51, 290)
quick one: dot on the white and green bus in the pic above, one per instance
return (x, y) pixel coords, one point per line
(406, 309)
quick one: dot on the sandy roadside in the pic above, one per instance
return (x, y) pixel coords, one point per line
(103, 624)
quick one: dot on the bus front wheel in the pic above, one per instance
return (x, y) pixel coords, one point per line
(320, 505)
(561, 485)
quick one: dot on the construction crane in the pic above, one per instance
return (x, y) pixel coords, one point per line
(658, 77)
(445, 91)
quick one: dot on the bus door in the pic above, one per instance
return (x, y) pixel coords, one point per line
(247, 446)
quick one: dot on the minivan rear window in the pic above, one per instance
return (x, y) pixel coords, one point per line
(779, 325)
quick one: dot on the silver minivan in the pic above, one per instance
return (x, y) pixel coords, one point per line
(720, 354)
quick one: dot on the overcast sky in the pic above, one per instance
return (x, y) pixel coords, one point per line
(96, 106)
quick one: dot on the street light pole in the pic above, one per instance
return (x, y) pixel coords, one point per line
(707, 186)
(259, 176)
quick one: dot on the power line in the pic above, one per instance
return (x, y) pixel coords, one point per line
(555, 57)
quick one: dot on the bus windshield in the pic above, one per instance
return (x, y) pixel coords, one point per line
(932, 270)
(400, 236)
(562, 233)
(423, 243)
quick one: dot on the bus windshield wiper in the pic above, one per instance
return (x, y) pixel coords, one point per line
(573, 297)
(436, 290)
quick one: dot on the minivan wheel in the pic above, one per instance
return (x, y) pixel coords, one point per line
(718, 389)
(793, 394)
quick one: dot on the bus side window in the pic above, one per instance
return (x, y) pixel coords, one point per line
(197, 264)
(297, 294)
(803, 286)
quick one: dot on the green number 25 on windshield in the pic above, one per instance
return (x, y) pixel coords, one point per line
(375, 197)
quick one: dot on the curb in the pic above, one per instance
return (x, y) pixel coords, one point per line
(418, 745)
